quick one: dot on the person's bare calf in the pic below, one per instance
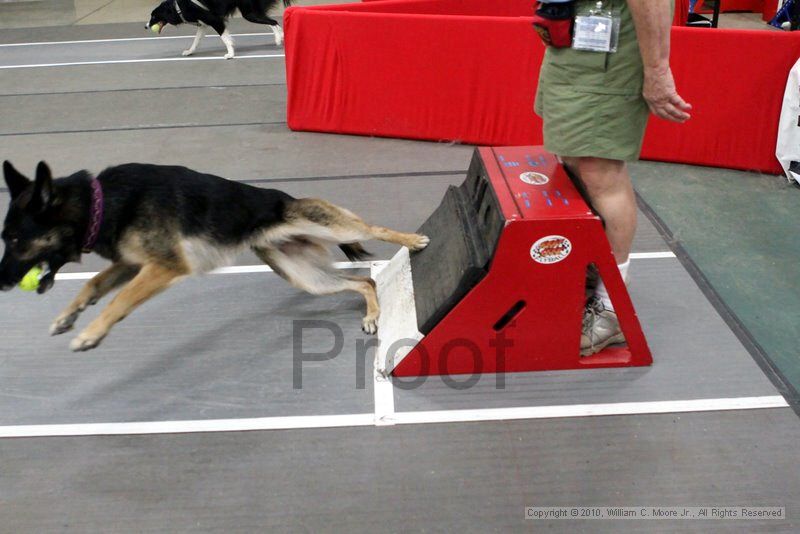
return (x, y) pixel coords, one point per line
(609, 188)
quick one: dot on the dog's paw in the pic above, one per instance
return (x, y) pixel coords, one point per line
(63, 323)
(369, 325)
(84, 342)
(418, 242)
(187, 53)
(229, 56)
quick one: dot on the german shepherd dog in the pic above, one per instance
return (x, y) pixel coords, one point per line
(158, 224)
(214, 14)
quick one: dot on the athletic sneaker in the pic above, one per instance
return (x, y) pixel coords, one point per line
(600, 328)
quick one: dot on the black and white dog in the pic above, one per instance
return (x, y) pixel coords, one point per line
(214, 14)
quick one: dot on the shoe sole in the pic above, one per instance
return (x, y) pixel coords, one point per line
(613, 340)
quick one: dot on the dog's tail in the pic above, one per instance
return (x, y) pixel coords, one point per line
(354, 251)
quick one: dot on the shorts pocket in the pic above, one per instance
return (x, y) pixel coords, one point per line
(577, 69)
(578, 62)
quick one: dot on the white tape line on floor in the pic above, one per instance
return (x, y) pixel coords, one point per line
(651, 255)
(400, 418)
(383, 390)
(123, 61)
(127, 39)
(236, 269)
(182, 427)
(245, 269)
(591, 410)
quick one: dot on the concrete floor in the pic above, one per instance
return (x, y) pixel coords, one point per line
(744, 21)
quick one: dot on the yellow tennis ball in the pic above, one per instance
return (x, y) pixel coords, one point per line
(30, 282)
(156, 28)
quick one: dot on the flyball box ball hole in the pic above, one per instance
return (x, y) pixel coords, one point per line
(509, 316)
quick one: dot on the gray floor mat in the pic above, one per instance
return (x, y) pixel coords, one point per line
(146, 46)
(476, 477)
(209, 348)
(137, 76)
(147, 108)
(237, 152)
(695, 356)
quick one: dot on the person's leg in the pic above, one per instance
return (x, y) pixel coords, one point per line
(608, 185)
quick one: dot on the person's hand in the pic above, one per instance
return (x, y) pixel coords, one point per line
(662, 97)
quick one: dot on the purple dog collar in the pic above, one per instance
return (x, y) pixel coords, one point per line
(96, 217)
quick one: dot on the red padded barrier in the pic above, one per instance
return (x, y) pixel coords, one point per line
(383, 69)
(419, 77)
(471, 8)
(681, 13)
(769, 9)
(735, 79)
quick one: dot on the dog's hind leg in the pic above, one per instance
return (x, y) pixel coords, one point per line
(201, 32)
(306, 265)
(278, 31)
(151, 279)
(95, 289)
(414, 242)
(257, 18)
(339, 225)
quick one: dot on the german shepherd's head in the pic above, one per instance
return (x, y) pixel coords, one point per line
(41, 227)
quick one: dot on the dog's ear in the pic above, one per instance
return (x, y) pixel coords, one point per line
(42, 189)
(14, 179)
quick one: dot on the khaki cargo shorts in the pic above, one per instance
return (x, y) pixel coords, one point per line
(591, 102)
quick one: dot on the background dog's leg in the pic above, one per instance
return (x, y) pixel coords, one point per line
(201, 32)
(228, 40)
(306, 265)
(263, 19)
(278, 34)
(95, 289)
(151, 280)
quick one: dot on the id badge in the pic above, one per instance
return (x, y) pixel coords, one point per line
(596, 30)
(593, 33)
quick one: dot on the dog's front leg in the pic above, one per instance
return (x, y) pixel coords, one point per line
(201, 32)
(151, 280)
(95, 289)
(228, 41)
